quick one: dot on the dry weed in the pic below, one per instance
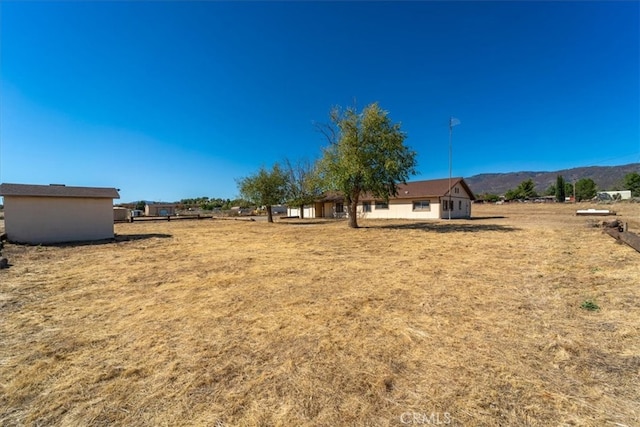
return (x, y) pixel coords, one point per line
(230, 323)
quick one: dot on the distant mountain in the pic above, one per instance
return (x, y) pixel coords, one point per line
(605, 177)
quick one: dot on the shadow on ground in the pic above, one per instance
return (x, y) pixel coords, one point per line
(117, 239)
(474, 218)
(449, 227)
(131, 237)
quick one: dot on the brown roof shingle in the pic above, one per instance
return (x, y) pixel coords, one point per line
(57, 191)
(430, 188)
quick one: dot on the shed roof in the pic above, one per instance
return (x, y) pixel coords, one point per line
(55, 190)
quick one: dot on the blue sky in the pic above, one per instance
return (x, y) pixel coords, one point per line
(169, 100)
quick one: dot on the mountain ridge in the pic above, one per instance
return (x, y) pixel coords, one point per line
(605, 177)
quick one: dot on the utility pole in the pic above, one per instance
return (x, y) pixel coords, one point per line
(452, 122)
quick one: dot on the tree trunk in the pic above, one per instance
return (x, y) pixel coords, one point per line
(352, 209)
(269, 214)
(301, 212)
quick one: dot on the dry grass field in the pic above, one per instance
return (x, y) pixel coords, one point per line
(308, 323)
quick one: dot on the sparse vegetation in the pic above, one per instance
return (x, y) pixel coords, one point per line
(235, 324)
(590, 305)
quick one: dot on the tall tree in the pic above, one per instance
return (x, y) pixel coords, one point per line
(525, 190)
(585, 189)
(366, 154)
(560, 194)
(632, 182)
(265, 188)
(569, 189)
(303, 184)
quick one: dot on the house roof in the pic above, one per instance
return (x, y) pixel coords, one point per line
(431, 188)
(411, 190)
(57, 190)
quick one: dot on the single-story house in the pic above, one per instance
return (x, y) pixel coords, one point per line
(159, 209)
(56, 213)
(429, 199)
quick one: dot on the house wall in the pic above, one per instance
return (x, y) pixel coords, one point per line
(57, 219)
(461, 203)
(458, 211)
(401, 209)
(309, 212)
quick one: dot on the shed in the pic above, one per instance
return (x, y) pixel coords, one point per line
(121, 214)
(57, 213)
(159, 209)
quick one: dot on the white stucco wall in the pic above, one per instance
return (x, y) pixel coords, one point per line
(309, 212)
(57, 219)
(401, 209)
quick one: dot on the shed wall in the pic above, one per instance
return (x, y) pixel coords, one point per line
(57, 219)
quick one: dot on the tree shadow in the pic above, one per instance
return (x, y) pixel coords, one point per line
(131, 237)
(449, 227)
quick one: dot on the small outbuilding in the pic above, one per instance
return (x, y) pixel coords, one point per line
(57, 213)
(159, 209)
(121, 214)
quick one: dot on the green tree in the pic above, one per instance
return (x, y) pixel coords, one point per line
(585, 189)
(140, 205)
(568, 189)
(526, 189)
(551, 190)
(265, 188)
(366, 154)
(632, 182)
(488, 197)
(560, 193)
(303, 184)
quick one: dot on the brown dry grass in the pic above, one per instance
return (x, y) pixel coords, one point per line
(230, 323)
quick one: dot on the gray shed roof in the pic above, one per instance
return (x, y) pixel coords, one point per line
(55, 190)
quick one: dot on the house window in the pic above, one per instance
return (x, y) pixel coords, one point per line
(382, 205)
(456, 190)
(422, 205)
(460, 205)
(339, 208)
(366, 206)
